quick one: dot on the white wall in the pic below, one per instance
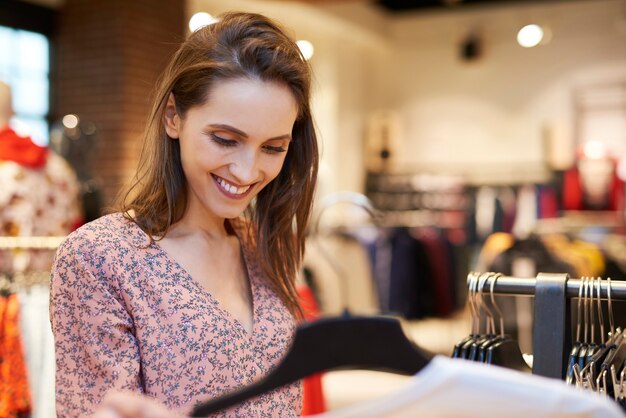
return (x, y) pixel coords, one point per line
(488, 116)
(485, 118)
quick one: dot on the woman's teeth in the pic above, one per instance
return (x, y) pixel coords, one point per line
(230, 188)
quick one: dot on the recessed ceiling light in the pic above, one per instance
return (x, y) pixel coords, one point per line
(306, 48)
(199, 20)
(530, 35)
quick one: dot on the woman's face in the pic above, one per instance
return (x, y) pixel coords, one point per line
(233, 145)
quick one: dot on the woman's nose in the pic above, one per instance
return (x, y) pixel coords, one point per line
(245, 167)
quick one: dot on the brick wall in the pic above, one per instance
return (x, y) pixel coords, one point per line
(107, 55)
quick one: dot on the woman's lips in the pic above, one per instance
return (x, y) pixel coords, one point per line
(231, 190)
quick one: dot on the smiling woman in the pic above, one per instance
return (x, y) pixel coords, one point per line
(188, 291)
(228, 155)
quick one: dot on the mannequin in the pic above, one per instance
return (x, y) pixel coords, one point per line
(12, 146)
(593, 184)
(38, 197)
(39, 190)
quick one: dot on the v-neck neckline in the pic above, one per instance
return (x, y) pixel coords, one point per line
(216, 302)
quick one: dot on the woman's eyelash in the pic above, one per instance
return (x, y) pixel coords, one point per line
(231, 143)
(223, 141)
(274, 149)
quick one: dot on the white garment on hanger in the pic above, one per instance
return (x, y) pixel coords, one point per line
(457, 388)
(38, 349)
(526, 214)
(342, 273)
(485, 211)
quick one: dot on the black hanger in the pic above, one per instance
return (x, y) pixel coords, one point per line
(368, 343)
(605, 359)
(592, 347)
(463, 348)
(479, 349)
(503, 351)
(575, 352)
(507, 353)
(484, 348)
(585, 345)
(615, 358)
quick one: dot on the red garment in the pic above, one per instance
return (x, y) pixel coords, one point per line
(313, 395)
(14, 391)
(574, 196)
(617, 193)
(572, 190)
(21, 149)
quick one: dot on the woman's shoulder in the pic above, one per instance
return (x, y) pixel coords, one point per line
(114, 229)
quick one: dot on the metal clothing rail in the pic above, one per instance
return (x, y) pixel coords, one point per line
(34, 243)
(523, 286)
(14, 282)
(552, 341)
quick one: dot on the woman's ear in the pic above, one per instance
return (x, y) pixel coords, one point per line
(171, 118)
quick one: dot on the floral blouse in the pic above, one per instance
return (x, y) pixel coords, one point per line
(126, 315)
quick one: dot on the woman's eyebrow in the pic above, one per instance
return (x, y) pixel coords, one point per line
(243, 134)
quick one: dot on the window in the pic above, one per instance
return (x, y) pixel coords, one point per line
(24, 65)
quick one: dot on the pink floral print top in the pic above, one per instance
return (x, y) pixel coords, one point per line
(126, 315)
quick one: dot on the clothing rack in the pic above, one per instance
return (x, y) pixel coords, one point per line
(416, 218)
(552, 340)
(12, 283)
(34, 243)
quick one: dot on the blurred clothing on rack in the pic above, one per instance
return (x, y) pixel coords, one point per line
(410, 272)
(340, 274)
(423, 272)
(15, 397)
(313, 401)
(513, 208)
(614, 247)
(38, 348)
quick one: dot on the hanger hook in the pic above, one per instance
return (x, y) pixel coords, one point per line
(577, 375)
(479, 304)
(473, 303)
(495, 305)
(470, 300)
(492, 304)
(592, 318)
(585, 309)
(489, 320)
(580, 312)
(600, 315)
(621, 384)
(610, 305)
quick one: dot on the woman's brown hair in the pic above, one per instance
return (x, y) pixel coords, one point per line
(238, 45)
